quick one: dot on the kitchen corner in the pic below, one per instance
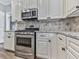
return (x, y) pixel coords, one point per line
(39, 29)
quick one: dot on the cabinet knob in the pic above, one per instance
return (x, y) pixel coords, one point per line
(9, 37)
(49, 40)
(63, 49)
(60, 38)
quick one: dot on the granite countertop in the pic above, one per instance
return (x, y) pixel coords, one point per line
(74, 35)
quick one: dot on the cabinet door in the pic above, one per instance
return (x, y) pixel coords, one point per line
(61, 47)
(73, 47)
(42, 9)
(33, 3)
(56, 8)
(71, 5)
(69, 55)
(12, 41)
(9, 43)
(26, 4)
(42, 49)
(61, 53)
(16, 10)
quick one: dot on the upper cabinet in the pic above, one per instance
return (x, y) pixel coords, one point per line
(50, 9)
(72, 8)
(26, 4)
(19, 5)
(42, 9)
(16, 10)
(47, 9)
(55, 8)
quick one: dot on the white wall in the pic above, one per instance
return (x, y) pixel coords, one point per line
(2, 7)
(2, 19)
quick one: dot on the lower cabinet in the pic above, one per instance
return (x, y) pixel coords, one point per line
(43, 49)
(57, 47)
(61, 53)
(72, 48)
(61, 47)
(9, 43)
(70, 55)
(46, 46)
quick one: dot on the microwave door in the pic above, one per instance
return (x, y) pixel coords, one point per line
(26, 15)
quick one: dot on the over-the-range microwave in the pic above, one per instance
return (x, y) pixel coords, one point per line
(29, 14)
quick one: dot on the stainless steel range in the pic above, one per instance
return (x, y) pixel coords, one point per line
(25, 44)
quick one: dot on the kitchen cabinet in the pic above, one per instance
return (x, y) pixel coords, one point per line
(72, 8)
(61, 46)
(47, 9)
(19, 5)
(50, 9)
(9, 41)
(42, 9)
(27, 4)
(70, 56)
(42, 49)
(16, 10)
(46, 46)
(73, 48)
(56, 8)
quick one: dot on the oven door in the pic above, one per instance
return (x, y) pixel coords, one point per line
(25, 44)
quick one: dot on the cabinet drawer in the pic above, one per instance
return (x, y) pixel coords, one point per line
(42, 35)
(73, 46)
(62, 39)
(45, 35)
(61, 48)
(9, 34)
(61, 51)
(46, 40)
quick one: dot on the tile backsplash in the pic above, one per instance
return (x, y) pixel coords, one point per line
(69, 25)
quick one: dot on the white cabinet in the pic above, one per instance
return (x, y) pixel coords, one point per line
(50, 9)
(16, 10)
(70, 56)
(56, 8)
(9, 42)
(46, 8)
(73, 48)
(72, 8)
(42, 9)
(26, 4)
(61, 47)
(42, 49)
(46, 46)
(19, 5)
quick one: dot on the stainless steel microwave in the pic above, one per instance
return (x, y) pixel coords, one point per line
(29, 14)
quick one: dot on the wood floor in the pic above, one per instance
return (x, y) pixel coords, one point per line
(8, 55)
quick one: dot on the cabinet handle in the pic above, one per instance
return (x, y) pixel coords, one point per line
(77, 6)
(49, 40)
(60, 38)
(63, 49)
(9, 37)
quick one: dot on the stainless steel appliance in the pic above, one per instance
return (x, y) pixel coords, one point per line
(26, 43)
(29, 14)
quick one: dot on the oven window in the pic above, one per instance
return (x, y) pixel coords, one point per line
(23, 41)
